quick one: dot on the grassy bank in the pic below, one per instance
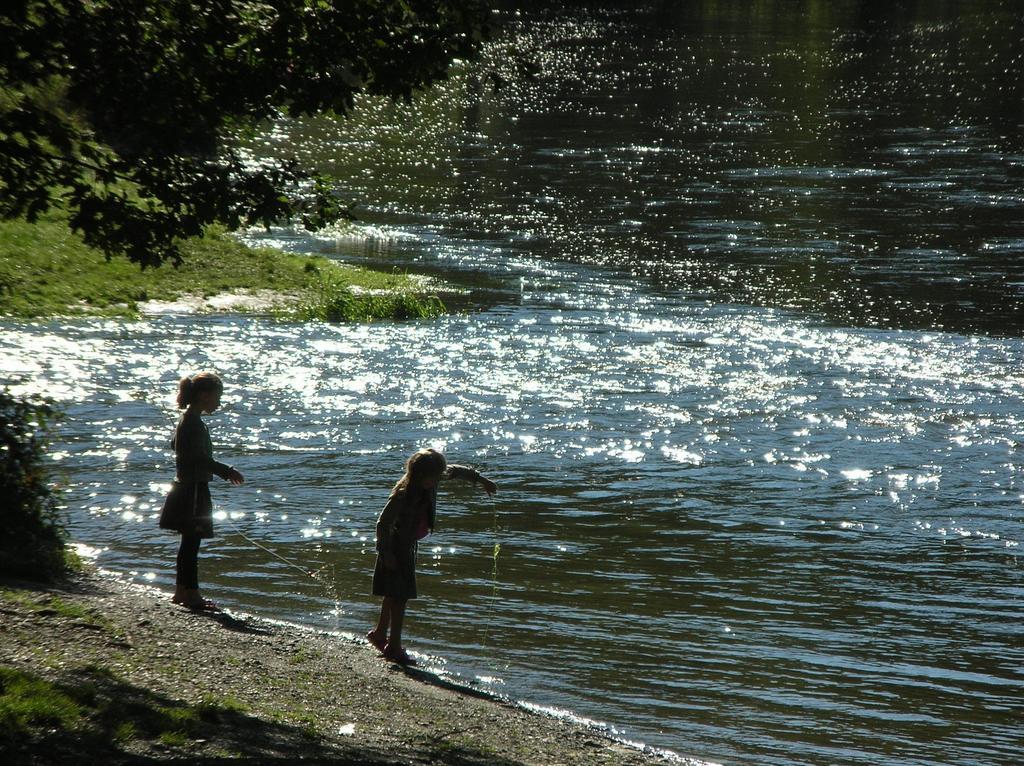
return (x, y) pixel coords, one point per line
(46, 270)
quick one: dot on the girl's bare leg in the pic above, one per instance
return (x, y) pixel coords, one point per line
(384, 621)
(397, 619)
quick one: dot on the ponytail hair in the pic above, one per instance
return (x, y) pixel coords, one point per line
(190, 387)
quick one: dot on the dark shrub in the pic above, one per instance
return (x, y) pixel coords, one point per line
(31, 530)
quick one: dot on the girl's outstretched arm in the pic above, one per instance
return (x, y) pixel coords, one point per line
(465, 473)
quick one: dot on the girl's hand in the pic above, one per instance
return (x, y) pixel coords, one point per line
(235, 477)
(489, 486)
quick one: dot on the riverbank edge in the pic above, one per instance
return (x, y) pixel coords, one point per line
(47, 272)
(156, 682)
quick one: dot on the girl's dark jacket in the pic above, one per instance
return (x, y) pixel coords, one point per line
(188, 508)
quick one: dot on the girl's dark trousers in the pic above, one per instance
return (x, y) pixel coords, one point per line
(188, 561)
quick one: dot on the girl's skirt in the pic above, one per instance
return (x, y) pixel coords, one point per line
(188, 509)
(399, 582)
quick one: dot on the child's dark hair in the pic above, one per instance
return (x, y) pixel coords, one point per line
(422, 463)
(189, 387)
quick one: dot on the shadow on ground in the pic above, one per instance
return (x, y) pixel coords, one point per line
(88, 715)
(93, 717)
(119, 723)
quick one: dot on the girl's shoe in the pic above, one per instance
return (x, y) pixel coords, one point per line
(398, 655)
(377, 640)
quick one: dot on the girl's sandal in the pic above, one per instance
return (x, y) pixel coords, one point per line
(378, 642)
(400, 656)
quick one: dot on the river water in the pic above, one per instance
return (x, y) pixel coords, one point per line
(742, 350)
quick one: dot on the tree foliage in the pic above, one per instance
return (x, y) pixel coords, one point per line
(125, 112)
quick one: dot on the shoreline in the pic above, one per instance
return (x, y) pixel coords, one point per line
(155, 682)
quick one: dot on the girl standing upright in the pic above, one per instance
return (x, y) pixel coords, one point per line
(407, 518)
(188, 508)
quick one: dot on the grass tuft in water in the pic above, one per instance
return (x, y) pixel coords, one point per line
(336, 303)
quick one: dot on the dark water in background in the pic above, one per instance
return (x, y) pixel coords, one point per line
(856, 160)
(746, 368)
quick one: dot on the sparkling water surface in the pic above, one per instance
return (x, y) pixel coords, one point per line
(742, 352)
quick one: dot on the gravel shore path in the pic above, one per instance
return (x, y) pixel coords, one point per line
(150, 681)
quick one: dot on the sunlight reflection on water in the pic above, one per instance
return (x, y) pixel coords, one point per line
(643, 462)
(748, 534)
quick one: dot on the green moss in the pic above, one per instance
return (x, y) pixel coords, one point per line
(72, 561)
(70, 610)
(173, 739)
(179, 718)
(212, 708)
(94, 706)
(126, 732)
(301, 656)
(46, 270)
(28, 702)
(50, 604)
